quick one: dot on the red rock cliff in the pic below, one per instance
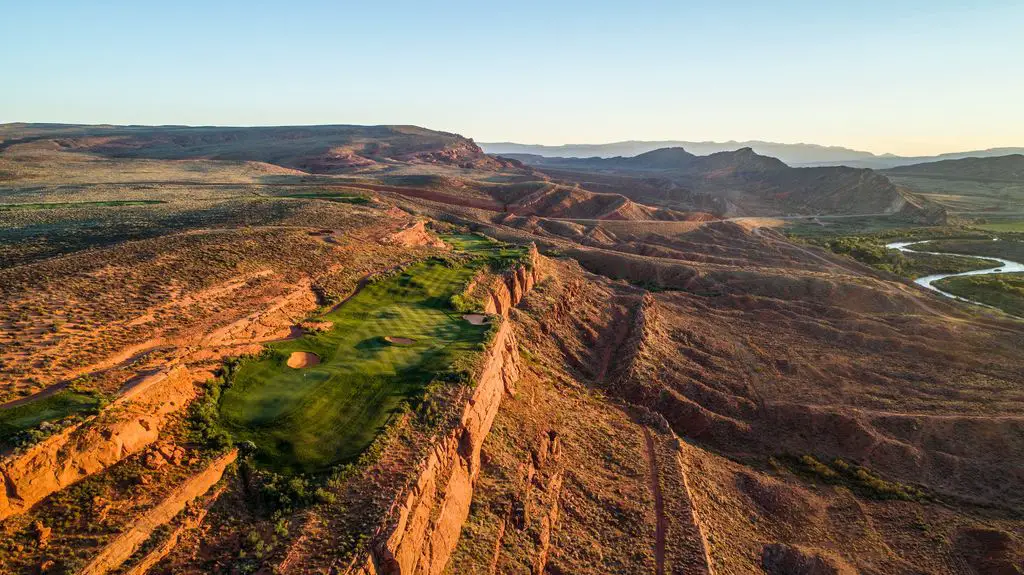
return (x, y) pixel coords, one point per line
(129, 424)
(426, 520)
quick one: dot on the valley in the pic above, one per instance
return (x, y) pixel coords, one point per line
(378, 349)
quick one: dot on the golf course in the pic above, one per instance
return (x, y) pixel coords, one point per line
(319, 400)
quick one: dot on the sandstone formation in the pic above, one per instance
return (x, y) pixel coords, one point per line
(127, 426)
(426, 520)
(414, 235)
(124, 545)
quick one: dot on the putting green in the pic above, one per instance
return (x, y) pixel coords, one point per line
(311, 418)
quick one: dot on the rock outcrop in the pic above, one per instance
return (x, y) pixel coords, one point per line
(128, 425)
(508, 289)
(414, 235)
(125, 544)
(426, 520)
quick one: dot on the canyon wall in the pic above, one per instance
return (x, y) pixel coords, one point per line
(128, 425)
(508, 289)
(425, 523)
(124, 545)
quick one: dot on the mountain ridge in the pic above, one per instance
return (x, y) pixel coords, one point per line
(796, 155)
(1008, 168)
(737, 182)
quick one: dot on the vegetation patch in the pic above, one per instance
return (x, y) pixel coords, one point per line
(1004, 291)
(1008, 247)
(1007, 226)
(307, 420)
(858, 479)
(28, 423)
(872, 251)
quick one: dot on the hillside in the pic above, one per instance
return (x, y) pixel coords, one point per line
(994, 169)
(985, 186)
(748, 183)
(314, 149)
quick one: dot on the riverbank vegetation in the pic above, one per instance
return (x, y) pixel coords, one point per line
(872, 251)
(1004, 291)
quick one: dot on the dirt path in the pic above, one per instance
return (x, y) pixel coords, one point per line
(660, 521)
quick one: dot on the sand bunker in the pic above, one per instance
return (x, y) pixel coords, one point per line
(301, 359)
(395, 340)
(476, 318)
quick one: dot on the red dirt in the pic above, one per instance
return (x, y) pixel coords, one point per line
(660, 521)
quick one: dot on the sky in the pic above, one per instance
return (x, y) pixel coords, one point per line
(901, 76)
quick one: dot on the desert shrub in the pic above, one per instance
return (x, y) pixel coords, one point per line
(867, 250)
(858, 478)
(203, 418)
(465, 303)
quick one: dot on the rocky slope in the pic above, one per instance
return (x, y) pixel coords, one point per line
(130, 424)
(1008, 168)
(754, 184)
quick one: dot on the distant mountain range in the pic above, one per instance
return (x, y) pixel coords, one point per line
(796, 155)
(738, 182)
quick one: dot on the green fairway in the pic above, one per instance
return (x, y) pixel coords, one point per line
(14, 420)
(310, 418)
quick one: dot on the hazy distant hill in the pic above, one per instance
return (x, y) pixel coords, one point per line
(738, 182)
(315, 149)
(796, 155)
(793, 154)
(999, 168)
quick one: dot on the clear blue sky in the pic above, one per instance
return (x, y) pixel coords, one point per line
(903, 76)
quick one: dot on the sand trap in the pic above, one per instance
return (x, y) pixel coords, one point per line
(395, 340)
(476, 318)
(301, 359)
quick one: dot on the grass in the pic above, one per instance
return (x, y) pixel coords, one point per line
(1006, 248)
(306, 420)
(859, 479)
(871, 250)
(1004, 291)
(1009, 226)
(920, 265)
(54, 205)
(29, 416)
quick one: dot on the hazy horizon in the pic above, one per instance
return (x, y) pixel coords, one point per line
(913, 79)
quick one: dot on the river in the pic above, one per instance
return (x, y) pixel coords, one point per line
(1006, 267)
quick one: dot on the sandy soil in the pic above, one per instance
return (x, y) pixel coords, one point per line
(301, 359)
(395, 340)
(476, 318)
